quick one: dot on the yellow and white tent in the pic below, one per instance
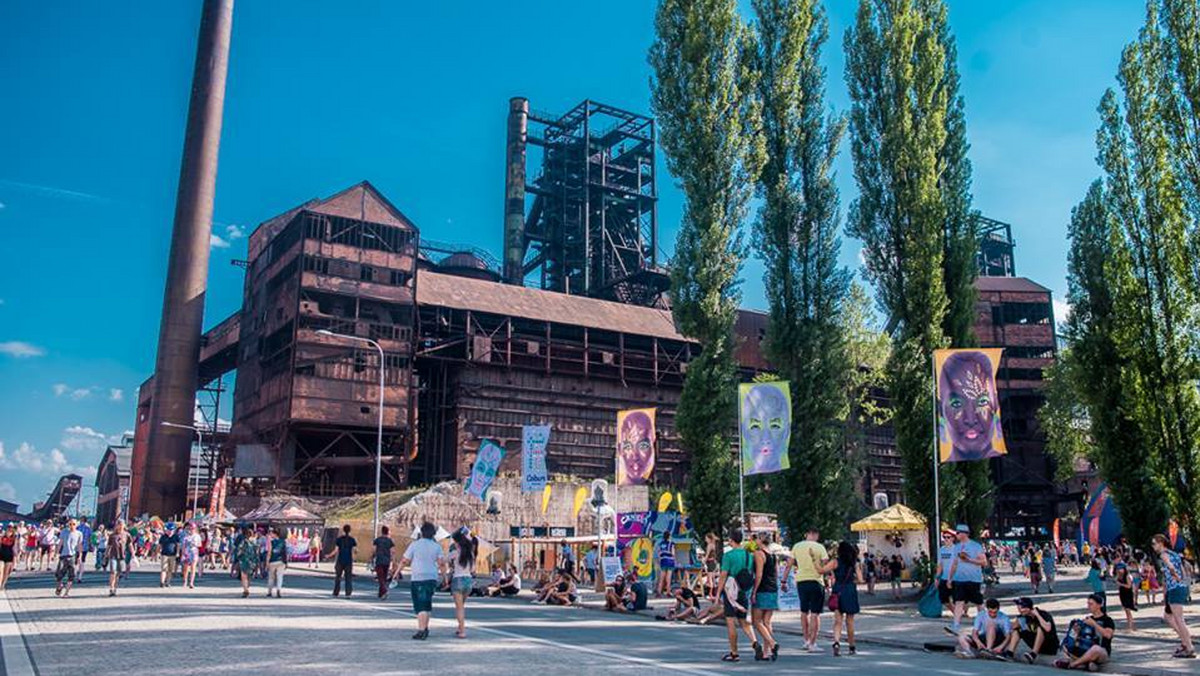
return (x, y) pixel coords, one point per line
(895, 518)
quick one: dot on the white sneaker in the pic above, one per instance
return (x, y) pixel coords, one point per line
(815, 648)
(808, 647)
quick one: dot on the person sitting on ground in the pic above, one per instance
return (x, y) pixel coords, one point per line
(565, 592)
(686, 606)
(1088, 643)
(548, 587)
(714, 613)
(614, 595)
(989, 634)
(1035, 627)
(638, 595)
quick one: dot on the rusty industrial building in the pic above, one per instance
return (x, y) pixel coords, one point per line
(567, 328)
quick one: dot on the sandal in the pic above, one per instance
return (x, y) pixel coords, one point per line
(758, 652)
(1184, 654)
(853, 651)
(731, 657)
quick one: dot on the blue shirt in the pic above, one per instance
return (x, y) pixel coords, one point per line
(982, 620)
(968, 571)
(945, 559)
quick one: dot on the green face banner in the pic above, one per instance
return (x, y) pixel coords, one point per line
(765, 420)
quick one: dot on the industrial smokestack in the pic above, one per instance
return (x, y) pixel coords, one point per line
(514, 191)
(163, 484)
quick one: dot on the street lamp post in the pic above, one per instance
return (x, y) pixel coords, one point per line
(379, 435)
(200, 436)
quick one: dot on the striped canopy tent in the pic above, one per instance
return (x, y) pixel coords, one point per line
(895, 518)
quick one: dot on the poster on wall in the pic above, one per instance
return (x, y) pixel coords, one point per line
(635, 446)
(789, 598)
(487, 463)
(765, 423)
(534, 439)
(967, 405)
(612, 568)
(633, 525)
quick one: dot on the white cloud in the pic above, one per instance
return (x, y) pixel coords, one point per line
(7, 492)
(116, 394)
(216, 242)
(73, 393)
(1062, 311)
(20, 349)
(29, 459)
(233, 232)
(80, 438)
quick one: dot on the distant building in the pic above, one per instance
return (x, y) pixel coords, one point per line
(112, 484)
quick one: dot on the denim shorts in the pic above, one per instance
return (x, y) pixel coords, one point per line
(461, 585)
(766, 601)
(422, 595)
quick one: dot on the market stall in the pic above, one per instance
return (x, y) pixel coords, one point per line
(895, 530)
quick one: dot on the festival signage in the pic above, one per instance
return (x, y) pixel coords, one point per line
(612, 568)
(631, 525)
(635, 446)
(487, 463)
(789, 599)
(534, 439)
(765, 422)
(968, 405)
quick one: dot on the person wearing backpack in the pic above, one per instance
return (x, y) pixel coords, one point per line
(737, 565)
(812, 563)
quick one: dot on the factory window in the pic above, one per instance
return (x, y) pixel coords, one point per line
(398, 277)
(316, 264)
(1025, 313)
(366, 273)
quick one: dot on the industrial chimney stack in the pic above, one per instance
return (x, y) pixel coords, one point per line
(161, 487)
(514, 191)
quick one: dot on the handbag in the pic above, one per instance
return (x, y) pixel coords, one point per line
(834, 602)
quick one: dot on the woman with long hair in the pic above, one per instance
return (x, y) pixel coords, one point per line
(765, 600)
(246, 556)
(463, 577)
(846, 577)
(1177, 583)
(8, 553)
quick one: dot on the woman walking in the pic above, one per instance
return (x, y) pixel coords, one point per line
(463, 578)
(427, 560)
(1125, 592)
(765, 599)
(8, 553)
(189, 555)
(1176, 583)
(845, 589)
(118, 551)
(277, 556)
(245, 555)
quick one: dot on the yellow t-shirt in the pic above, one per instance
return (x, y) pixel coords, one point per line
(809, 555)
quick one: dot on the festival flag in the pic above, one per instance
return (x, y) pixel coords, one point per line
(581, 494)
(545, 498)
(635, 446)
(679, 501)
(487, 463)
(765, 422)
(534, 439)
(968, 405)
(664, 502)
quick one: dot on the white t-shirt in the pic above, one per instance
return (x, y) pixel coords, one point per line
(424, 555)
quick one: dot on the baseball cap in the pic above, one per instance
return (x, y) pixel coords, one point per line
(1025, 602)
(962, 528)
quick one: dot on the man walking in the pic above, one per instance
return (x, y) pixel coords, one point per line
(69, 548)
(381, 559)
(812, 562)
(734, 585)
(168, 552)
(343, 567)
(966, 575)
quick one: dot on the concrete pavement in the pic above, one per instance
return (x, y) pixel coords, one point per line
(212, 630)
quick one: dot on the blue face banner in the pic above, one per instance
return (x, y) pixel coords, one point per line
(534, 439)
(765, 419)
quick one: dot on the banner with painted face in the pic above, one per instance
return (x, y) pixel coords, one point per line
(968, 405)
(635, 446)
(534, 439)
(765, 420)
(487, 463)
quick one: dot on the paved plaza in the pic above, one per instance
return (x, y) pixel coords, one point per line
(212, 630)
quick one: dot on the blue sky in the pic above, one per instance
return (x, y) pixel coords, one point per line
(411, 96)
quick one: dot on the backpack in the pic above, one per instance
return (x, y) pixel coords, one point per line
(1080, 638)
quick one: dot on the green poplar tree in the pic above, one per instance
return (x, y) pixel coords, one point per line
(796, 236)
(703, 97)
(1156, 298)
(907, 134)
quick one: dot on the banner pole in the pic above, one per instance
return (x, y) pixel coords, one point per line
(741, 491)
(937, 501)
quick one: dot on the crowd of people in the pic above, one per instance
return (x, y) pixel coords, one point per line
(739, 582)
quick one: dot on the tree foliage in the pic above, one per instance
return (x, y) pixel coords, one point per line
(703, 97)
(907, 133)
(796, 236)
